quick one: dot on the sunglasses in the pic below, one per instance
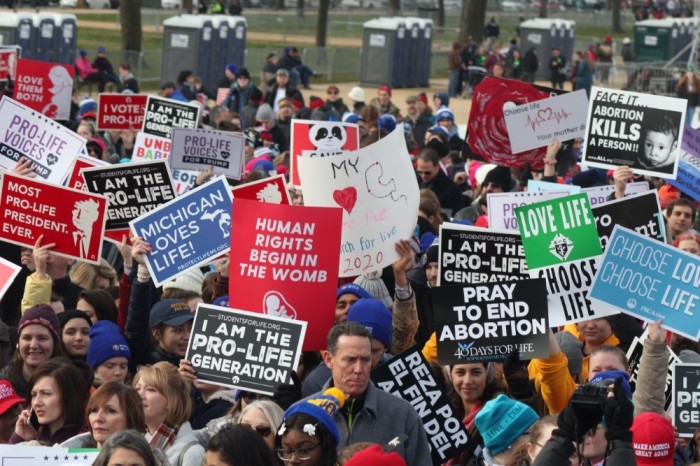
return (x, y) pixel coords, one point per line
(332, 93)
(424, 172)
(249, 397)
(263, 431)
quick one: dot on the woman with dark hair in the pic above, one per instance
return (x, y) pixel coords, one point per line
(75, 333)
(58, 396)
(226, 448)
(126, 447)
(112, 408)
(98, 304)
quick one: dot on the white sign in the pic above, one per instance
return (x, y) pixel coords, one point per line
(599, 194)
(21, 455)
(501, 206)
(195, 149)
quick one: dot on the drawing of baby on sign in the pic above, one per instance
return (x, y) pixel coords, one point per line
(377, 189)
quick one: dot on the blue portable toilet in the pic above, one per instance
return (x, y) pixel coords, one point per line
(67, 42)
(382, 52)
(18, 29)
(412, 58)
(239, 25)
(187, 45)
(424, 51)
(221, 46)
(45, 24)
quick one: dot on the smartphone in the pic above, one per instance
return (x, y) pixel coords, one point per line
(34, 421)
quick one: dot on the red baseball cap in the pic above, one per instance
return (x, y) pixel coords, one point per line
(375, 456)
(8, 396)
(653, 439)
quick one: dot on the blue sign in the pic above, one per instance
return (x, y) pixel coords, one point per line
(650, 280)
(187, 231)
(688, 178)
(534, 186)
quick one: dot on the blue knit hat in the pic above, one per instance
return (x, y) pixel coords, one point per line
(105, 343)
(502, 420)
(387, 123)
(232, 68)
(373, 314)
(351, 288)
(609, 377)
(320, 407)
(444, 113)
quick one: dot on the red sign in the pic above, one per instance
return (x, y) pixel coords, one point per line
(121, 111)
(73, 219)
(75, 179)
(8, 64)
(284, 262)
(8, 272)
(45, 87)
(273, 190)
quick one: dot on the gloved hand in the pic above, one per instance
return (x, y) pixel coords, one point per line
(619, 414)
(288, 394)
(576, 423)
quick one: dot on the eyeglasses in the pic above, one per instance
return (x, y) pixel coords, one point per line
(249, 397)
(263, 431)
(302, 454)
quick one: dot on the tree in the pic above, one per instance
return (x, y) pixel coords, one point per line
(472, 20)
(279, 4)
(441, 14)
(543, 8)
(616, 19)
(322, 23)
(130, 14)
(300, 8)
(394, 7)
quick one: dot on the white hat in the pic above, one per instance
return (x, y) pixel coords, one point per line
(626, 40)
(357, 94)
(189, 281)
(482, 171)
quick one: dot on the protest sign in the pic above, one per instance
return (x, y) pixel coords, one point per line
(184, 180)
(282, 256)
(643, 131)
(535, 124)
(475, 255)
(409, 376)
(44, 87)
(688, 176)
(25, 133)
(162, 115)
(639, 212)
(378, 191)
(132, 190)
(599, 194)
(559, 230)
(320, 139)
(8, 62)
(686, 398)
(650, 280)
(487, 322)
(272, 189)
(149, 147)
(634, 358)
(188, 231)
(501, 206)
(244, 350)
(75, 178)
(25, 455)
(197, 149)
(534, 186)
(8, 272)
(120, 111)
(30, 209)
(221, 94)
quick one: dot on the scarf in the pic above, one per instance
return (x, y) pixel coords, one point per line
(165, 436)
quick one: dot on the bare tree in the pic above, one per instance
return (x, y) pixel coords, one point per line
(441, 14)
(279, 4)
(543, 8)
(300, 8)
(616, 19)
(472, 21)
(322, 23)
(130, 15)
(394, 7)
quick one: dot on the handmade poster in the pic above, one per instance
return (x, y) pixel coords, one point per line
(162, 115)
(149, 147)
(26, 133)
(599, 194)
(475, 255)
(686, 398)
(488, 322)
(533, 125)
(559, 230)
(409, 376)
(8, 272)
(184, 180)
(501, 206)
(634, 358)
(244, 350)
(272, 190)
(650, 280)
(536, 186)
(280, 256)
(75, 179)
(688, 177)
(643, 131)
(378, 192)
(188, 231)
(120, 111)
(132, 190)
(639, 212)
(76, 223)
(8, 62)
(22, 455)
(197, 149)
(320, 139)
(221, 94)
(44, 87)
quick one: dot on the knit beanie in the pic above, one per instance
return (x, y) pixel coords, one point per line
(502, 420)
(375, 286)
(609, 377)
(189, 281)
(444, 113)
(320, 407)
(105, 343)
(653, 439)
(386, 89)
(232, 68)
(243, 72)
(65, 316)
(387, 123)
(500, 176)
(433, 253)
(374, 315)
(352, 288)
(571, 347)
(43, 315)
(375, 456)
(264, 113)
(88, 104)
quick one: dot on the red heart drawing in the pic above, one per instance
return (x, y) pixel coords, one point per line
(345, 198)
(545, 114)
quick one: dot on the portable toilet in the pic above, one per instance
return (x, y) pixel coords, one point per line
(544, 34)
(653, 40)
(187, 45)
(683, 38)
(412, 58)
(68, 38)
(45, 24)
(238, 40)
(18, 29)
(221, 46)
(382, 52)
(425, 48)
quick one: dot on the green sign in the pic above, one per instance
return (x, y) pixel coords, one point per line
(559, 230)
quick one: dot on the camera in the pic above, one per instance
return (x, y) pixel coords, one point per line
(591, 394)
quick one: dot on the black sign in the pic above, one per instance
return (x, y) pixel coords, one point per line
(164, 114)
(409, 376)
(490, 321)
(640, 213)
(132, 190)
(475, 255)
(686, 398)
(246, 350)
(634, 357)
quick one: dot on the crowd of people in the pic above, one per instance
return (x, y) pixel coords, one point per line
(93, 356)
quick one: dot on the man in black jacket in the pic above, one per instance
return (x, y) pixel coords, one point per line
(432, 177)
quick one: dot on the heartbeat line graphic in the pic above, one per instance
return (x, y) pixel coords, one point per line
(546, 114)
